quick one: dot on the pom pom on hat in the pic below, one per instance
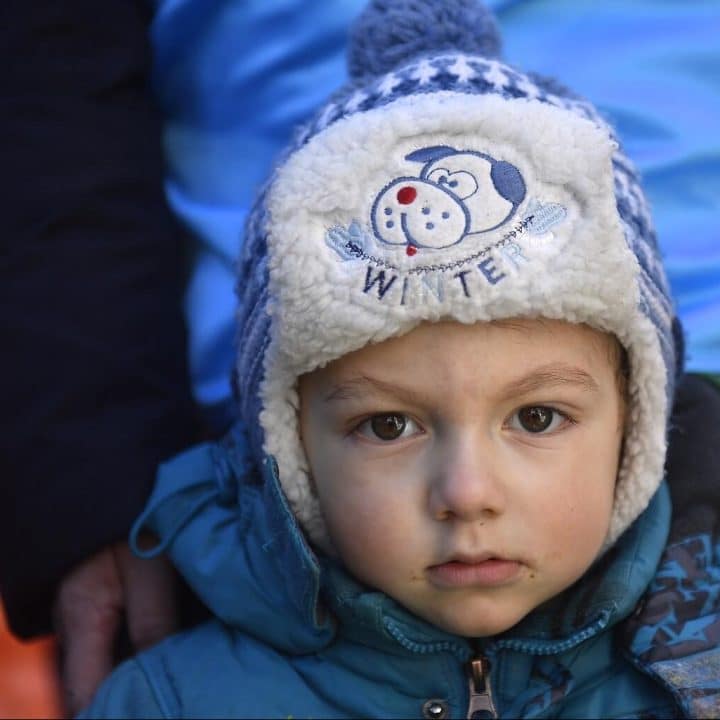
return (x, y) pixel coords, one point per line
(392, 32)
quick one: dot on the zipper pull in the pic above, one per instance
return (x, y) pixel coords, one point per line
(481, 701)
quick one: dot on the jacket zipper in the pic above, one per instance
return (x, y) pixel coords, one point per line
(481, 699)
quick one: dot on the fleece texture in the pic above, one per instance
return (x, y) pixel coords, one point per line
(450, 187)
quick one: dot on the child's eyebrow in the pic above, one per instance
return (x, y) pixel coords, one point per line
(551, 375)
(540, 378)
(356, 388)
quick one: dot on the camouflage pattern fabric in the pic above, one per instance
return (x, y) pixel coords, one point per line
(674, 635)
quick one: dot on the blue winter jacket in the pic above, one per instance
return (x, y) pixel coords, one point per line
(296, 636)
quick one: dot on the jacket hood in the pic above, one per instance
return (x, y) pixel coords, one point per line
(233, 538)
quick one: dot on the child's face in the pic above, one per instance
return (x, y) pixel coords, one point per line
(468, 470)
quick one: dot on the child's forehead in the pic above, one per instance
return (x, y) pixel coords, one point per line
(505, 347)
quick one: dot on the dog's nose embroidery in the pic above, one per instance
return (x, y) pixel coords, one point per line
(406, 195)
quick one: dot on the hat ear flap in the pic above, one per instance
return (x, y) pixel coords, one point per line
(508, 181)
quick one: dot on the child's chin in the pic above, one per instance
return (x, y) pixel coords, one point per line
(471, 623)
(478, 629)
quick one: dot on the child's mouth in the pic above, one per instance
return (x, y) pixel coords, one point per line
(487, 572)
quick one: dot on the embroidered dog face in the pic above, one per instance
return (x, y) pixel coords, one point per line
(456, 193)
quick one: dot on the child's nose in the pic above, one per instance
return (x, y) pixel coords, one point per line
(467, 487)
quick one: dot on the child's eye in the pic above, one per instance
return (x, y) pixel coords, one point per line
(538, 419)
(388, 427)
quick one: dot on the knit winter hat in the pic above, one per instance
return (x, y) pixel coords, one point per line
(440, 183)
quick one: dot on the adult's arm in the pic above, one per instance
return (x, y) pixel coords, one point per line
(94, 388)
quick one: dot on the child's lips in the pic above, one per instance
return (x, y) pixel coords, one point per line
(484, 571)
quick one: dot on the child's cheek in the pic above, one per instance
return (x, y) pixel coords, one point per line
(370, 517)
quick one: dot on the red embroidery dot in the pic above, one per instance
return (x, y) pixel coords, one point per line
(406, 195)
(411, 249)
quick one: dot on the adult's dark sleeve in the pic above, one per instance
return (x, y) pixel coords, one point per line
(94, 390)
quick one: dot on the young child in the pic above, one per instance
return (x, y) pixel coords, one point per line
(456, 367)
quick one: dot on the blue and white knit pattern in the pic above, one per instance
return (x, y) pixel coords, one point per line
(459, 73)
(655, 298)
(253, 320)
